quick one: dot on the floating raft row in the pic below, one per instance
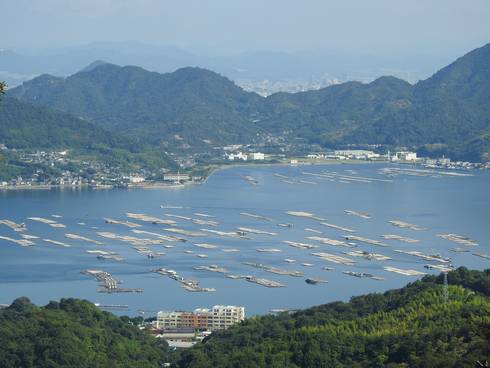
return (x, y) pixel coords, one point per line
(231, 234)
(203, 215)
(211, 268)
(264, 282)
(146, 218)
(442, 268)
(458, 239)
(206, 245)
(404, 272)
(363, 215)
(255, 216)
(328, 241)
(29, 237)
(482, 255)
(46, 221)
(300, 245)
(205, 222)
(421, 172)
(365, 240)
(159, 236)
(82, 238)
(405, 225)
(427, 257)
(250, 179)
(400, 238)
(333, 258)
(459, 250)
(367, 255)
(14, 226)
(58, 243)
(362, 275)
(275, 270)
(118, 222)
(186, 284)
(268, 250)
(184, 232)
(21, 242)
(110, 257)
(281, 176)
(178, 216)
(304, 215)
(313, 230)
(347, 230)
(245, 230)
(343, 178)
(230, 250)
(109, 283)
(100, 252)
(129, 239)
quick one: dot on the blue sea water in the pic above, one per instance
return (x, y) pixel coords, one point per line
(440, 204)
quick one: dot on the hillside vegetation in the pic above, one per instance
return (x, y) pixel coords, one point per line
(28, 127)
(409, 327)
(73, 333)
(447, 113)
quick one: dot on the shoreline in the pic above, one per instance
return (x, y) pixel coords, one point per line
(208, 172)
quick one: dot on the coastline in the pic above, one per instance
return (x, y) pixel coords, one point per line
(207, 172)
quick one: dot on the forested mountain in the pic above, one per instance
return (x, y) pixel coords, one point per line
(73, 333)
(26, 126)
(193, 103)
(409, 327)
(448, 113)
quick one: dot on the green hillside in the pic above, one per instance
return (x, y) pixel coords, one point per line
(197, 109)
(73, 333)
(409, 327)
(447, 114)
(193, 103)
(25, 126)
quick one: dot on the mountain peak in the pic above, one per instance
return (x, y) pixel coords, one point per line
(93, 65)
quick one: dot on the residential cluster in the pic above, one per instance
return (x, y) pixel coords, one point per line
(57, 168)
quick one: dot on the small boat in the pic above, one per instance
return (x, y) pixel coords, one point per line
(314, 281)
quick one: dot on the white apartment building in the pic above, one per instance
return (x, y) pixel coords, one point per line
(220, 317)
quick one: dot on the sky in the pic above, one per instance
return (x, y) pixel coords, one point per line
(232, 26)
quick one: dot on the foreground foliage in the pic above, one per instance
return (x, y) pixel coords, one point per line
(410, 327)
(73, 333)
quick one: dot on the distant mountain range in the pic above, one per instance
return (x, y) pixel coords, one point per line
(17, 66)
(448, 113)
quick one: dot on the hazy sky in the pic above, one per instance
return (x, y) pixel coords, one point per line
(385, 26)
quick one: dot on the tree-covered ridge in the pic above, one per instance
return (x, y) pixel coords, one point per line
(73, 333)
(445, 114)
(410, 327)
(26, 126)
(190, 102)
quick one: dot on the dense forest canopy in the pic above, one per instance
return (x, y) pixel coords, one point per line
(73, 333)
(410, 327)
